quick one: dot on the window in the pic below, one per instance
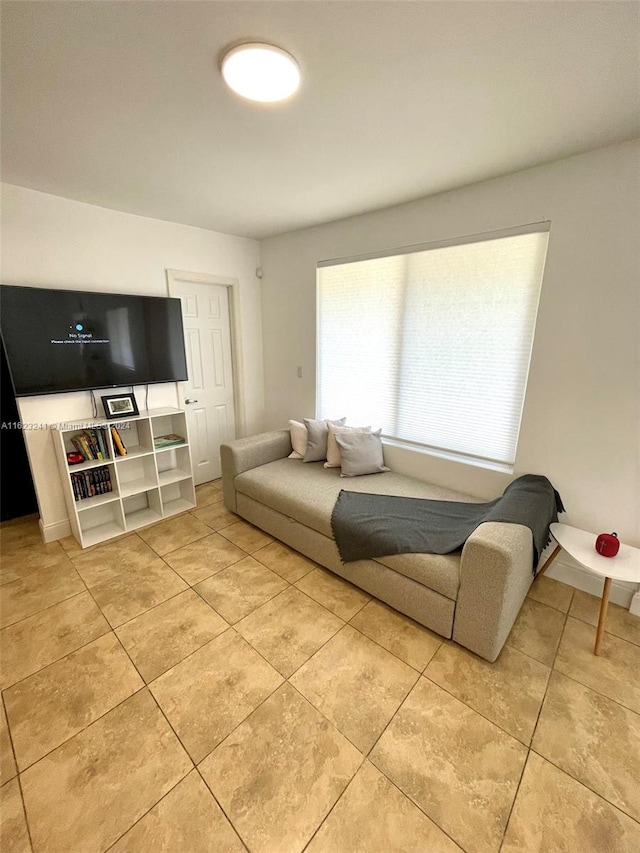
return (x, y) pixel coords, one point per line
(433, 343)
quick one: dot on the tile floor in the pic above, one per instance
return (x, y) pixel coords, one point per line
(199, 687)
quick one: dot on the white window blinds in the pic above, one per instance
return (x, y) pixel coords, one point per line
(433, 344)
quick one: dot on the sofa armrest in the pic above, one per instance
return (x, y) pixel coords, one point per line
(247, 453)
(495, 576)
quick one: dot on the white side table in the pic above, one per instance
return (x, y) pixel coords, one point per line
(580, 545)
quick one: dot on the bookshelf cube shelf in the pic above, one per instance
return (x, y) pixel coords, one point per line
(141, 509)
(110, 494)
(136, 474)
(176, 497)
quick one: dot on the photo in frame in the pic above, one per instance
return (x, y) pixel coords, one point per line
(120, 406)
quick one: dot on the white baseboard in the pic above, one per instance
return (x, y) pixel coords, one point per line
(574, 575)
(57, 530)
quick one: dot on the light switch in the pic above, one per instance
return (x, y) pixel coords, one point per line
(299, 372)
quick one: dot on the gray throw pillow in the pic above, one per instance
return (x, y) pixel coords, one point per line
(317, 435)
(360, 453)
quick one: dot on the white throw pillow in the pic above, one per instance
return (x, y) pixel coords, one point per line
(333, 451)
(298, 439)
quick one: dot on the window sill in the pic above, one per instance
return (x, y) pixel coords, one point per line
(462, 458)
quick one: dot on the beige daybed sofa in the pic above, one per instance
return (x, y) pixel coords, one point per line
(473, 596)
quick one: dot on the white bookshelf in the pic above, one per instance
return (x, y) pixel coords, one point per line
(148, 483)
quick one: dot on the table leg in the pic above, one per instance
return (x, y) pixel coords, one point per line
(548, 562)
(603, 614)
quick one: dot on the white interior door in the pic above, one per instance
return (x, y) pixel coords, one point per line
(209, 392)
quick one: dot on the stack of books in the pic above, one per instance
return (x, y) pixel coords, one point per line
(92, 443)
(88, 484)
(169, 440)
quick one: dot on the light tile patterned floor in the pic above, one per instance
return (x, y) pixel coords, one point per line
(199, 687)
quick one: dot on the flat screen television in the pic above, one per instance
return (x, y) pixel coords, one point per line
(71, 340)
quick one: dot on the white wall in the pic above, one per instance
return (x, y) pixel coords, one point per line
(580, 422)
(49, 241)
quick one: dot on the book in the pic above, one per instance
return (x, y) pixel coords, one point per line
(79, 441)
(102, 442)
(95, 443)
(168, 440)
(121, 450)
(74, 486)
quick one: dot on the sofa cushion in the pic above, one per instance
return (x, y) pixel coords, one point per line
(440, 572)
(308, 492)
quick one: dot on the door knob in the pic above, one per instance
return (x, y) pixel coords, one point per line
(191, 401)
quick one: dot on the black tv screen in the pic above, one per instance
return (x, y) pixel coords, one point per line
(71, 340)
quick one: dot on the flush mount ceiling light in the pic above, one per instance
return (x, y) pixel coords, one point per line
(261, 72)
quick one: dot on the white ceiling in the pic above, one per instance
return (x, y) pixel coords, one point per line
(121, 104)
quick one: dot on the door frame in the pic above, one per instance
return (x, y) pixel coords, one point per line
(237, 372)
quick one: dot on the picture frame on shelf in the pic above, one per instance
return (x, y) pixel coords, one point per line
(120, 406)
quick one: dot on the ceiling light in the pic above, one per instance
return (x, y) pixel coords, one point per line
(261, 72)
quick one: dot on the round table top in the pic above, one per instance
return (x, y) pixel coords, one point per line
(581, 545)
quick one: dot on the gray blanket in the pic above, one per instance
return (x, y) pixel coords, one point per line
(366, 525)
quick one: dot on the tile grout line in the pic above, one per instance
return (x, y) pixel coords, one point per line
(237, 726)
(147, 685)
(338, 799)
(384, 648)
(57, 660)
(391, 781)
(342, 734)
(553, 667)
(587, 687)
(84, 728)
(160, 603)
(597, 692)
(416, 804)
(585, 785)
(244, 843)
(567, 613)
(322, 714)
(42, 609)
(535, 726)
(347, 621)
(515, 797)
(508, 734)
(212, 575)
(137, 821)
(232, 624)
(18, 772)
(533, 732)
(4, 557)
(109, 628)
(479, 713)
(175, 733)
(285, 677)
(24, 811)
